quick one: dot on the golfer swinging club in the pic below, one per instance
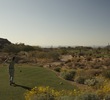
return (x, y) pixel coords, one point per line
(11, 70)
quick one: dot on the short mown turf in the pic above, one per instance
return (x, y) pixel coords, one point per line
(27, 77)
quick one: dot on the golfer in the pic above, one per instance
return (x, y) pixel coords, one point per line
(11, 70)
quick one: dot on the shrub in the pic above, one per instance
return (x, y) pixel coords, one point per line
(41, 55)
(107, 97)
(86, 74)
(104, 89)
(87, 96)
(66, 98)
(48, 55)
(15, 48)
(100, 81)
(57, 69)
(47, 93)
(43, 96)
(90, 82)
(93, 72)
(40, 93)
(97, 66)
(28, 48)
(72, 72)
(106, 74)
(68, 75)
(89, 58)
(80, 80)
(107, 62)
(53, 55)
(11, 48)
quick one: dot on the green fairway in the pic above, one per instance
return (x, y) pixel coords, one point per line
(27, 77)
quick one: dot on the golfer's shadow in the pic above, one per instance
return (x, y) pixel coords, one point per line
(22, 86)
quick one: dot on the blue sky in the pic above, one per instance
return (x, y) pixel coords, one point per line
(56, 22)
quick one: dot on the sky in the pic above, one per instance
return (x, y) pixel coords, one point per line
(56, 22)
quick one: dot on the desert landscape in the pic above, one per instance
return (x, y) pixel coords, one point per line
(79, 72)
(54, 49)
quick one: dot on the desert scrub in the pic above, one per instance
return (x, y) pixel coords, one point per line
(90, 82)
(83, 73)
(80, 79)
(57, 69)
(107, 97)
(42, 96)
(68, 75)
(87, 96)
(100, 80)
(40, 93)
(106, 74)
(47, 93)
(66, 98)
(104, 89)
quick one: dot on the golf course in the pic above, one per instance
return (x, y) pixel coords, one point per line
(27, 77)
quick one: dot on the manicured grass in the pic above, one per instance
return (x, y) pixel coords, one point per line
(26, 77)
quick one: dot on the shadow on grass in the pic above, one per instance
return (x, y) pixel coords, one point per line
(22, 86)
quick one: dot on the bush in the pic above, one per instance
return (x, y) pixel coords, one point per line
(15, 48)
(47, 93)
(106, 74)
(93, 72)
(72, 72)
(54, 55)
(80, 80)
(28, 48)
(104, 89)
(84, 73)
(99, 83)
(40, 93)
(11, 48)
(66, 98)
(48, 55)
(57, 69)
(41, 55)
(107, 97)
(68, 75)
(90, 82)
(43, 96)
(87, 96)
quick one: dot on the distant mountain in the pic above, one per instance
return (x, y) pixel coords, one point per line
(4, 42)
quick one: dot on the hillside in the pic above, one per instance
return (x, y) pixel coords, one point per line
(4, 42)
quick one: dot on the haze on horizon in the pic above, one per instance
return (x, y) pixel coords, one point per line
(56, 22)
